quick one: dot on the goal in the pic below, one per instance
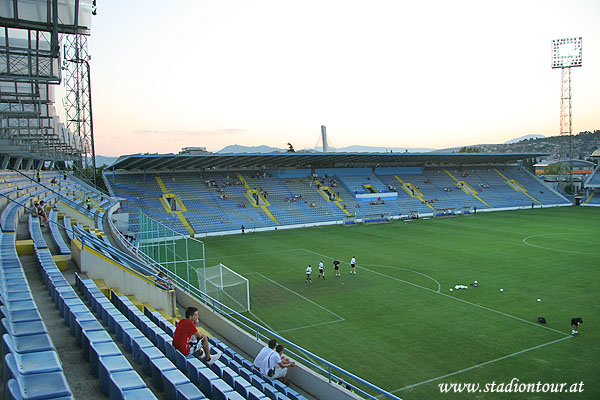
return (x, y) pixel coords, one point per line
(444, 212)
(226, 286)
(468, 210)
(350, 220)
(413, 214)
(376, 218)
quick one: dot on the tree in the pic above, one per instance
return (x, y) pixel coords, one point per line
(470, 150)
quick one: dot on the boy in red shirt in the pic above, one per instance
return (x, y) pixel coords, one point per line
(186, 333)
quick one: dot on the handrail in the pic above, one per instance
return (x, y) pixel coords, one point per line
(261, 332)
(76, 205)
(92, 241)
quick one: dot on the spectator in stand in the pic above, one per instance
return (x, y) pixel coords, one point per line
(265, 352)
(276, 366)
(187, 337)
(41, 212)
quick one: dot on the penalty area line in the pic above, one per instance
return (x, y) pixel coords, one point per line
(480, 365)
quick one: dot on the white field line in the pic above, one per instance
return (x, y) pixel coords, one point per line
(525, 240)
(410, 270)
(339, 318)
(312, 326)
(452, 297)
(253, 254)
(262, 322)
(480, 365)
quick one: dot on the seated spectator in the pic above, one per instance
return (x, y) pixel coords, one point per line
(41, 212)
(53, 181)
(163, 282)
(276, 365)
(265, 352)
(312, 204)
(187, 337)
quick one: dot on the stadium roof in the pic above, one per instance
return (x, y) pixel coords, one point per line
(140, 162)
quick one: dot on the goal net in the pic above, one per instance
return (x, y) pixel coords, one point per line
(468, 210)
(376, 218)
(413, 215)
(349, 220)
(226, 286)
(444, 212)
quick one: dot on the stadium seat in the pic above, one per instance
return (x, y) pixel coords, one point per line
(171, 380)
(109, 365)
(189, 391)
(121, 382)
(157, 367)
(41, 386)
(101, 349)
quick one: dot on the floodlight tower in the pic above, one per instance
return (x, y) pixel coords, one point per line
(566, 53)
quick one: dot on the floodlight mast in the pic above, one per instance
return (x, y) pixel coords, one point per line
(566, 53)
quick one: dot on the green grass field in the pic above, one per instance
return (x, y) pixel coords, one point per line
(397, 325)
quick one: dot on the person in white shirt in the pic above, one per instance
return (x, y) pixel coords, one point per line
(321, 270)
(353, 265)
(276, 365)
(265, 352)
(308, 272)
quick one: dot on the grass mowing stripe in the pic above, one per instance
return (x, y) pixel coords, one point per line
(451, 297)
(480, 365)
(299, 295)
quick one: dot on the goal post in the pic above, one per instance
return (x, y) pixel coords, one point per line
(350, 220)
(413, 214)
(444, 212)
(468, 210)
(226, 286)
(376, 218)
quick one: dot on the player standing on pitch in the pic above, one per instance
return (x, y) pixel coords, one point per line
(321, 270)
(353, 265)
(308, 271)
(336, 267)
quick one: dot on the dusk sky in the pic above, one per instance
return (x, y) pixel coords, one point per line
(171, 74)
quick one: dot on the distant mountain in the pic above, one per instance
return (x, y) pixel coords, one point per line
(526, 137)
(236, 148)
(374, 149)
(101, 160)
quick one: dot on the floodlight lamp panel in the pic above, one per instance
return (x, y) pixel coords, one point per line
(566, 53)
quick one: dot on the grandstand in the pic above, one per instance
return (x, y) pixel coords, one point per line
(218, 202)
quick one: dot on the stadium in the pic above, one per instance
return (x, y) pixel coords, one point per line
(470, 268)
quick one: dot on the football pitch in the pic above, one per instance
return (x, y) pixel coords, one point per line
(396, 323)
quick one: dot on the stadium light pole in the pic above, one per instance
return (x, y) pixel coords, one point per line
(566, 53)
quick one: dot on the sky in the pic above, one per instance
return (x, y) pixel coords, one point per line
(414, 74)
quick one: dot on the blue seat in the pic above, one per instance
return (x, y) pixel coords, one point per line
(35, 363)
(233, 396)
(180, 361)
(48, 385)
(206, 378)
(148, 353)
(242, 386)
(89, 337)
(109, 365)
(158, 366)
(138, 394)
(228, 375)
(120, 327)
(21, 315)
(129, 335)
(255, 394)
(219, 389)
(189, 391)
(138, 343)
(86, 326)
(171, 380)
(101, 349)
(25, 344)
(24, 328)
(121, 382)
(218, 367)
